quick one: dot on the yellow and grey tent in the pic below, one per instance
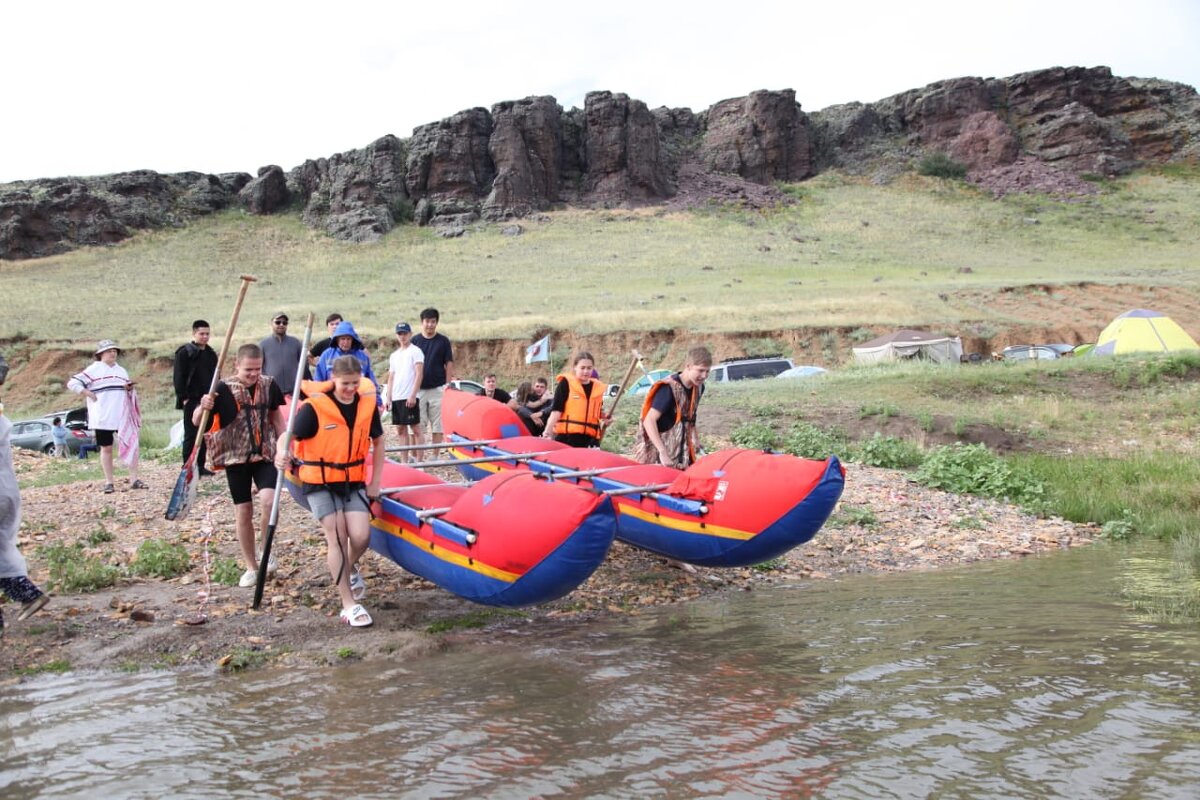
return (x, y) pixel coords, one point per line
(1141, 331)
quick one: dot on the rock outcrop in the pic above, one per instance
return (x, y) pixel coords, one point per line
(52, 215)
(358, 195)
(1035, 130)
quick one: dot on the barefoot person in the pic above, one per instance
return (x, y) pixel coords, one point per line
(577, 414)
(107, 387)
(247, 421)
(333, 431)
(14, 576)
(667, 434)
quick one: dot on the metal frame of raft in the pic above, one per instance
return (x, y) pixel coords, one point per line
(731, 508)
(480, 542)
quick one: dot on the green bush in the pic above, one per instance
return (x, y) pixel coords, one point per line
(808, 441)
(973, 469)
(226, 572)
(160, 559)
(888, 452)
(72, 570)
(755, 436)
(940, 165)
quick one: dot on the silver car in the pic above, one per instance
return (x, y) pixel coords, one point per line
(35, 434)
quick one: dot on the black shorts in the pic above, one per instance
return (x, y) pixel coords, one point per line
(105, 438)
(239, 476)
(403, 415)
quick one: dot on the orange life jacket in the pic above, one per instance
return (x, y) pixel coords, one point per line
(581, 414)
(338, 453)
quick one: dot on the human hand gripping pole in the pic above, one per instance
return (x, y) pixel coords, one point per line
(184, 492)
(285, 443)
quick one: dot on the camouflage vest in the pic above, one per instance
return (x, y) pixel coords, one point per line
(249, 436)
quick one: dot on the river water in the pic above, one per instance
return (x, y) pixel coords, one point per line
(1033, 678)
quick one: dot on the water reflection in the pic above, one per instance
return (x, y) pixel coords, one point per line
(1025, 679)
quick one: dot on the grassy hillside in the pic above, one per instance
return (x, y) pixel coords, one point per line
(920, 252)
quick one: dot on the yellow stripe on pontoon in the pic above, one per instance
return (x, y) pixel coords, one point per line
(687, 526)
(444, 554)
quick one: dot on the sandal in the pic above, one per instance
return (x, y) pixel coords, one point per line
(356, 617)
(138, 485)
(32, 607)
(109, 488)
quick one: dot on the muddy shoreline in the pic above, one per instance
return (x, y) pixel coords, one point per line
(885, 523)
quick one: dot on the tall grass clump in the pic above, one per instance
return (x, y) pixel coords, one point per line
(1157, 494)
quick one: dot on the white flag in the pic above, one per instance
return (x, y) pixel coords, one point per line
(538, 351)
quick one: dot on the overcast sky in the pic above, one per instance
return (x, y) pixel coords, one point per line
(100, 87)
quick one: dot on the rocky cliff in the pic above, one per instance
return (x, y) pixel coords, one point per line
(529, 155)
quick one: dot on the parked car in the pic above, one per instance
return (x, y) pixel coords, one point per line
(738, 369)
(1026, 352)
(804, 371)
(468, 386)
(34, 434)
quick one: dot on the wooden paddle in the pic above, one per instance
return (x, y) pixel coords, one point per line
(637, 357)
(188, 481)
(269, 536)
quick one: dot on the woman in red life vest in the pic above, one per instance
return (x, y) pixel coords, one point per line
(577, 415)
(333, 431)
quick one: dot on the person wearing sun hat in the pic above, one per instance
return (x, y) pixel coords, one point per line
(107, 387)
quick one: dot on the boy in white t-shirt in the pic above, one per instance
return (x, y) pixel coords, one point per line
(405, 367)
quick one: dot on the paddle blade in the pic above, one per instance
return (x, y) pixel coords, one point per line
(184, 492)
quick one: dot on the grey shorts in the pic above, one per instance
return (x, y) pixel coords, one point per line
(323, 502)
(431, 406)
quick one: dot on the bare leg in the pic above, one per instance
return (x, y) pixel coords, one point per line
(243, 520)
(106, 463)
(337, 543)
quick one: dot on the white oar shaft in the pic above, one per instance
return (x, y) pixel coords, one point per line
(649, 490)
(407, 448)
(415, 487)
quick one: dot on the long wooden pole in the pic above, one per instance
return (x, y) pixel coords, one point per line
(269, 536)
(180, 502)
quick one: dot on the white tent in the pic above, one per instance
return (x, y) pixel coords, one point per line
(906, 344)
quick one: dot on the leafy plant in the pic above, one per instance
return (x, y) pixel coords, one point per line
(72, 570)
(888, 452)
(226, 572)
(1120, 529)
(99, 536)
(808, 441)
(973, 469)
(754, 436)
(160, 559)
(770, 565)
(847, 514)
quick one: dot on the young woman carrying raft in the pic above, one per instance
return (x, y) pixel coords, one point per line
(577, 415)
(334, 430)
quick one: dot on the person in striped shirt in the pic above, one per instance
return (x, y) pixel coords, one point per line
(106, 385)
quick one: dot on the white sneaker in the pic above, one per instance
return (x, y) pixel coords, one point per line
(249, 578)
(358, 587)
(272, 566)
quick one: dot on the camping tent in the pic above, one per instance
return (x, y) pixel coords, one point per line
(1142, 330)
(907, 344)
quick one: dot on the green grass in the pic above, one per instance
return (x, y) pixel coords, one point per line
(473, 619)
(644, 270)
